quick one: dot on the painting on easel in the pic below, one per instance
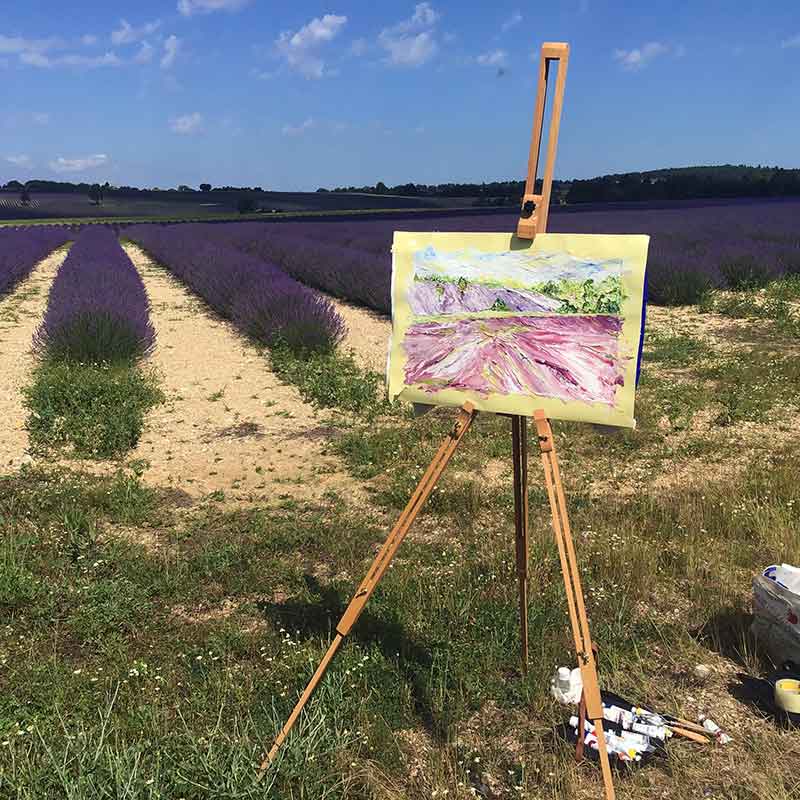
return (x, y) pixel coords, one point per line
(513, 325)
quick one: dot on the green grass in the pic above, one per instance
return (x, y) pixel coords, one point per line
(166, 668)
(776, 303)
(228, 217)
(96, 411)
(330, 380)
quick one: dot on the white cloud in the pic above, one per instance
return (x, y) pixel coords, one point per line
(301, 49)
(145, 54)
(172, 46)
(32, 59)
(88, 40)
(495, 58)
(412, 42)
(189, 7)
(16, 45)
(78, 164)
(298, 130)
(640, 57)
(23, 162)
(128, 34)
(511, 22)
(186, 123)
(793, 41)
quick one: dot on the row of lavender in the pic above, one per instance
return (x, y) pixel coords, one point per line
(22, 249)
(98, 310)
(259, 298)
(692, 249)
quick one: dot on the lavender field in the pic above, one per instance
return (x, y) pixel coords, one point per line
(163, 607)
(692, 249)
(21, 249)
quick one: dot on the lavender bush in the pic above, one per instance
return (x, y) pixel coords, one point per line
(98, 310)
(21, 249)
(258, 297)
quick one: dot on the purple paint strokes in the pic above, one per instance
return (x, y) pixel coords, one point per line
(567, 358)
(428, 298)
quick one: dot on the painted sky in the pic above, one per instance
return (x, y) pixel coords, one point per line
(308, 94)
(519, 269)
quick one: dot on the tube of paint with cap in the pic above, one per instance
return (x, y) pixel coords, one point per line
(630, 722)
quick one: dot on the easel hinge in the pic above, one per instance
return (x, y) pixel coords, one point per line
(543, 431)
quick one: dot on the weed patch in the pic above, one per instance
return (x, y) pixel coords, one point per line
(98, 411)
(330, 380)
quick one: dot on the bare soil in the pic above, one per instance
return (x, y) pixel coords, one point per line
(228, 423)
(20, 315)
(367, 335)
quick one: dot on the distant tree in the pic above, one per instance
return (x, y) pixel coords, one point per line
(96, 194)
(246, 204)
(321, 189)
(184, 188)
(381, 188)
(14, 186)
(25, 196)
(205, 187)
(257, 189)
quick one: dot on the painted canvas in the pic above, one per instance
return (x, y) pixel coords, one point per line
(515, 326)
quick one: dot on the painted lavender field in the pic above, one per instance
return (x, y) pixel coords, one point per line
(555, 355)
(569, 358)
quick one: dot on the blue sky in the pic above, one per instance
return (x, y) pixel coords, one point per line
(306, 94)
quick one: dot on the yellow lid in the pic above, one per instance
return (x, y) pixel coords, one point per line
(787, 695)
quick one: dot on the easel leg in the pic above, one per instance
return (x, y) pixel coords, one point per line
(572, 583)
(519, 433)
(381, 563)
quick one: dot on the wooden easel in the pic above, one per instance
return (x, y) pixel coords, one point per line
(533, 220)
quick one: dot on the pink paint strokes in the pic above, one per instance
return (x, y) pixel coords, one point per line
(568, 358)
(428, 298)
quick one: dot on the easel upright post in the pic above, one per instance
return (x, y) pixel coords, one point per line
(519, 435)
(533, 219)
(535, 207)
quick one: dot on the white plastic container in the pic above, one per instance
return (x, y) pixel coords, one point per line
(566, 686)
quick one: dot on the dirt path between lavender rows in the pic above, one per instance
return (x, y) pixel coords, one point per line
(367, 335)
(228, 424)
(20, 315)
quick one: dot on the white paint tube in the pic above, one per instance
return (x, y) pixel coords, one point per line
(630, 722)
(628, 746)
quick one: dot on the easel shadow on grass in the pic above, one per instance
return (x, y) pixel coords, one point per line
(319, 619)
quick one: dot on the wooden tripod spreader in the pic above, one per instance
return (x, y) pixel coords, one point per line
(535, 207)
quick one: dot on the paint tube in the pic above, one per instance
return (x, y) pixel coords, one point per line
(631, 722)
(627, 746)
(714, 729)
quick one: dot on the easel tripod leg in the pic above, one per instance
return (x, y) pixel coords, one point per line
(572, 584)
(379, 566)
(519, 435)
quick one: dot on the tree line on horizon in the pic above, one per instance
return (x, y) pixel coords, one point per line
(677, 183)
